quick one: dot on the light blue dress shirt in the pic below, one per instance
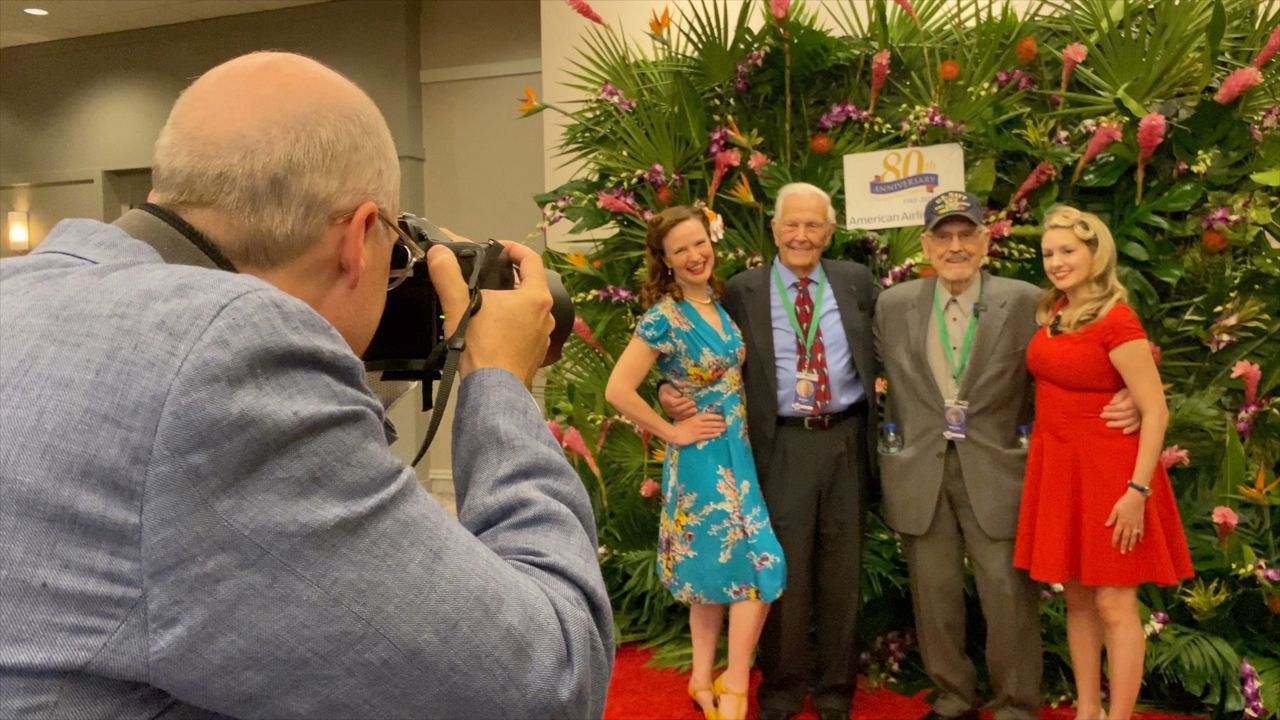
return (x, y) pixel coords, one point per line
(846, 387)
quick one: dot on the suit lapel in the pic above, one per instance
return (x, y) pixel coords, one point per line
(991, 320)
(854, 318)
(918, 329)
(760, 327)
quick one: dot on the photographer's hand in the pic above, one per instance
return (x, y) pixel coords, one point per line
(513, 328)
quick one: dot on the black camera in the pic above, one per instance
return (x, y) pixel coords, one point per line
(410, 343)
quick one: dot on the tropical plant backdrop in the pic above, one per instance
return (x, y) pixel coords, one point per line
(1162, 116)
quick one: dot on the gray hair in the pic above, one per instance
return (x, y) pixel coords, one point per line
(278, 189)
(801, 188)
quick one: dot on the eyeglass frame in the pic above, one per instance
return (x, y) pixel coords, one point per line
(395, 277)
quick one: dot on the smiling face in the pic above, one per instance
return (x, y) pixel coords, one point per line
(1068, 261)
(688, 252)
(802, 231)
(956, 248)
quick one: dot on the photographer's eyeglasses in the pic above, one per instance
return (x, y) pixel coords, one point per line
(404, 254)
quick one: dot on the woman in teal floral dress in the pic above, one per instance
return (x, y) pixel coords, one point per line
(715, 544)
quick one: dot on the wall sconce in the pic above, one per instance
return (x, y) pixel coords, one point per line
(19, 230)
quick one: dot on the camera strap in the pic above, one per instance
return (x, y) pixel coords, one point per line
(455, 344)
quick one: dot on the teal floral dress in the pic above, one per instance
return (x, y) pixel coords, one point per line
(715, 543)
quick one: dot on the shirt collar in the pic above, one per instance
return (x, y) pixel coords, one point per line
(789, 278)
(967, 299)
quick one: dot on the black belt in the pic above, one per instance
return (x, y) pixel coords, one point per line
(823, 422)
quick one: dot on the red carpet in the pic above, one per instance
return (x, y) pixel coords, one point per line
(639, 692)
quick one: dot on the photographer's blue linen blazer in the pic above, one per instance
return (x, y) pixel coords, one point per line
(200, 516)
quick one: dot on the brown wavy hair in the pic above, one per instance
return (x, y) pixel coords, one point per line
(661, 280)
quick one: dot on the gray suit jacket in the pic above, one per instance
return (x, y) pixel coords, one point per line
(746, 298)
(999, 391)
(199, 515)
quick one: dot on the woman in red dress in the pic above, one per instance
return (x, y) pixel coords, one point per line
(1098, 515)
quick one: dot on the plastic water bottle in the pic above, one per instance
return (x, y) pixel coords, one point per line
(890, 440)
(1024, 436)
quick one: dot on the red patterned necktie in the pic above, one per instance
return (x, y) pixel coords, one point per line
(817, 358)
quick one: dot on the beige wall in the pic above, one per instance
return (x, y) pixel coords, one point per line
(71, 110)
(484, 162)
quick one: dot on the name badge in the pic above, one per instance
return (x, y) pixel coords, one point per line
(956, 417)
(806, 388)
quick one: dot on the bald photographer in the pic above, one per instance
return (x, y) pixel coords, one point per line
(199, 511)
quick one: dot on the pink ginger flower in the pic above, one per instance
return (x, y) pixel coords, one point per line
(572, 442)
(725, 159)
(1226, 520)
(1103, 136)
(1000, 228)
(1041, 174)
(1174, 455)
(617, 201)
(780, 9)
(1072, 55)
(583, 8)
(1271, 48)
(1236, 83)
(1150, 134)
(758, 161)
(1252, 374)
(649, 488)
(583, 331)
(879, 73)
(906, 6)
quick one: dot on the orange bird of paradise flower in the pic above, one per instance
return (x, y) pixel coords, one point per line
(658, 26)
(742, 191)
(529, 103)
(1260, 490)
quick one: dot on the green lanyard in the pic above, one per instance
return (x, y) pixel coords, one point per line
(956, 369)
(791, 310)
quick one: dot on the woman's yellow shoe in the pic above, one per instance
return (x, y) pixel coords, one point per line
(708, 713)
(723, 691)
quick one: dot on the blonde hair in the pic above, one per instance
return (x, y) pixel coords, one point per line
(1102, 288)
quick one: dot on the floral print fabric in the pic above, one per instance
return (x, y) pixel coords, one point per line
(715, 543)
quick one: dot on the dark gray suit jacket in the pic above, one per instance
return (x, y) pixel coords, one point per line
(999, 391)
(746, 298)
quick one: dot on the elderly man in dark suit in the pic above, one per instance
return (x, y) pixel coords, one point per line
(809, 387)
(960, 396)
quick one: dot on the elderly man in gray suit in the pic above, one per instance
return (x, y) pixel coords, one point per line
(954, 353)
(199, 513)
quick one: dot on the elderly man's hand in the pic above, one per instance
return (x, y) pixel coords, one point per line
(513, 328)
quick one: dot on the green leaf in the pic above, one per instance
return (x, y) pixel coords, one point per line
(1232, 463)
(1128, 103)
(1104, 171)
(1179, 198)
(1270, 177)
(982, 177)
(1217, 26)
(1135, 250)
(1169, 269)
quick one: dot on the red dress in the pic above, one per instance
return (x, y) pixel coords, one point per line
(1078, 467)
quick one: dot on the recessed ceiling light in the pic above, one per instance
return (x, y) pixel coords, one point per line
(35, 11)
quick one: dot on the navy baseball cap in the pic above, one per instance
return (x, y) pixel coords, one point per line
(952, 203)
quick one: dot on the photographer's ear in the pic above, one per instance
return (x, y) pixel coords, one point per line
(358, 238)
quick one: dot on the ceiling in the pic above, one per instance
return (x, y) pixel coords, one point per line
(77, 18)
